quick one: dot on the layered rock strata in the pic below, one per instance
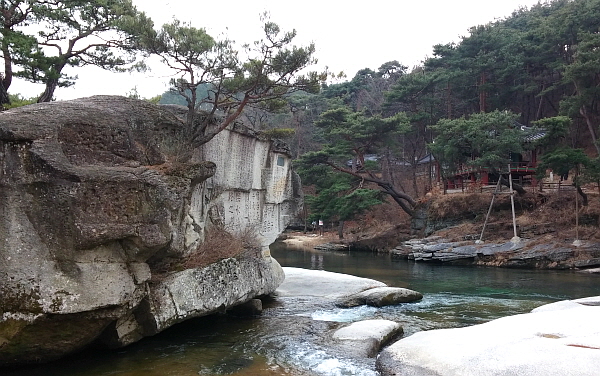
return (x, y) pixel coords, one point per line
(521, 254)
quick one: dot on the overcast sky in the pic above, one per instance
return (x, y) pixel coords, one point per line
(348, 35)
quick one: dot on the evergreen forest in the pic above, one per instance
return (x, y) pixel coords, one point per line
(533, 76)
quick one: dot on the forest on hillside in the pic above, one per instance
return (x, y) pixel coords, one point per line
(537, 71)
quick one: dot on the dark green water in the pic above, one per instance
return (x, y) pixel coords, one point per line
(284, 340)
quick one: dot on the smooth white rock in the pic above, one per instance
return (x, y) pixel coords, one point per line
(320, 283)
(559, 339)
(361, 330)
(365, 338)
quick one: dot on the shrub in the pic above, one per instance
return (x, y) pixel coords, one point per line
(219, 244)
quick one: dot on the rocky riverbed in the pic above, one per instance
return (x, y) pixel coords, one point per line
(362, 339)
(555, 339)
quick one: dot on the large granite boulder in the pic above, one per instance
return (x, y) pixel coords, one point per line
(557, 339)
(93, 199)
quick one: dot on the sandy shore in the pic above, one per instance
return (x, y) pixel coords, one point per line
(300, 239)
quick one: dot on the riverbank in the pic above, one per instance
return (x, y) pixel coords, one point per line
(517, 253)
(550, 235)
(301, 239)
(538, 253)
(381, 239)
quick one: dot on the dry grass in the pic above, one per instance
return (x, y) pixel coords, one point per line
(558, 216)
(460, 232)
(543, 216)
(220, 244)
(379, 219)
(551, 215)
(467, 205)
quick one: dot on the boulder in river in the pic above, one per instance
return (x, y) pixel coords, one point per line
(365, 338)
(320, 283)
(380, 296)
(557, 339)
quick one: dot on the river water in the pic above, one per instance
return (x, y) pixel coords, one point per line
(288, 339)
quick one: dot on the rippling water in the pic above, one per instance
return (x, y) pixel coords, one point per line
(289, 338)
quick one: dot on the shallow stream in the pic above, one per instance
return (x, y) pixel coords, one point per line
(288, 339)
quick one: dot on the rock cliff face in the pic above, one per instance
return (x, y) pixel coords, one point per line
(91, 198)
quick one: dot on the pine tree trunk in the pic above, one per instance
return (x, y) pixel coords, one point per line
(591, 127)
(583, 195)
(4, 98)
(48, 93)
(8, 75)
(482, 94)
(415, 166)
(341, 230)
(448, 101)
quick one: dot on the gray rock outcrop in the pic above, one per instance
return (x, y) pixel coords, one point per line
(557, 339)
(522, 254)
(194, 293)
(94, 202)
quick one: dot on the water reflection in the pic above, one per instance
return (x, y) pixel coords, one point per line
(316, 261)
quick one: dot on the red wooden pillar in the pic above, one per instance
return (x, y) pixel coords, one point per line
(485, 179)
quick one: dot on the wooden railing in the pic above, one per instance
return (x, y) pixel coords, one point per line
(557, 187)
(470, 187)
